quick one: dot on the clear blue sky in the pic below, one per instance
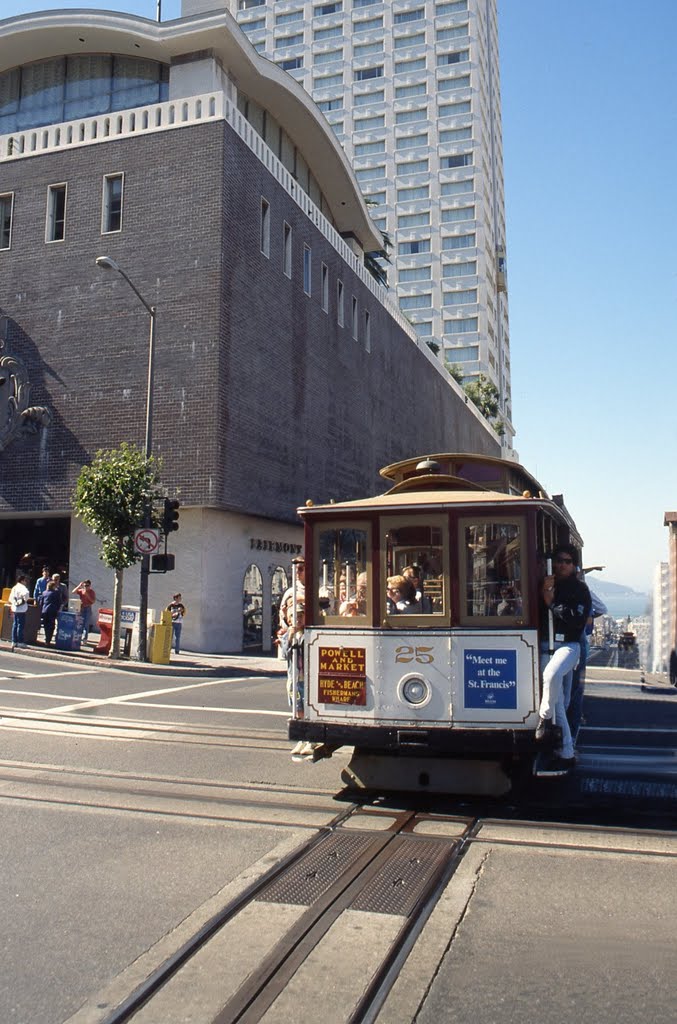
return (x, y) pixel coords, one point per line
(590, 149)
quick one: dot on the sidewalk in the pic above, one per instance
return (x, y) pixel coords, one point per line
(188, 663)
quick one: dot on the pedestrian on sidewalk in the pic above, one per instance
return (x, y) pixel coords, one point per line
(63, 590)
(50, 606)
(18, 602)
(178, 611)
(87, 598)
(41, 583)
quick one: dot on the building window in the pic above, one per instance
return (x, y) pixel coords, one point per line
(245, 5)
(452, 109)
(413, 167)
(293, 64)
(327, 81)
(460, 213)
(455, 135)
(462, 298)
(406, 195)
(465, 354)
(367, 148)
(404, 91)
(286, 249)
(265, 227)
(6, 209)
(340, 310)
(460, 326)
(411, 141)
(367, 330)
(327, 105)
(454, 188)
(285, 19)
(413, 247)
(445, 84)
(285, 41)
(366, 73)
(367, 26)
(399, 42)
(467, 269)
(325, 288)
(354, 318)
(459, 160)
(328, 9)
(333, 32)
(416, 301)
(404, 16)
(415, 274)
(369, 124)
(56, 213)
(405, 116)
(328, 57)
(371, 172)
(364, 99)
(307, 268)
(453, 58)
(452, 8)
(111, 209)
(364, 3)
(458, 242)
(451, 33)
(405, 67)
(414, 220)
(367, 49)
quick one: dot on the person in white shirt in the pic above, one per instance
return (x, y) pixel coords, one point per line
(18, 602)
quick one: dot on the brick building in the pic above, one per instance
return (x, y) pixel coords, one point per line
(282, 371)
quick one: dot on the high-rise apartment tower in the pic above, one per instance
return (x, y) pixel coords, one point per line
(412, 90)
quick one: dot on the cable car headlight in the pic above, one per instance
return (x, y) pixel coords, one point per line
(415, 690)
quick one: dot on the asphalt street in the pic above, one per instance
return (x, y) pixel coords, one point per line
(136, 804)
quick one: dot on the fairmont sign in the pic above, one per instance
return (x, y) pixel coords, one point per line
(278, 546)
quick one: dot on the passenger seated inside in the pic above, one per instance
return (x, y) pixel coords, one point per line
(509, 602)
(357, 603)
(401, 596)
(413, 574)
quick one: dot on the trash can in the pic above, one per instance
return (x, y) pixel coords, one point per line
(161, 640)
(68, 631)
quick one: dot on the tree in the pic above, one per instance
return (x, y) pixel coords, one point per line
(455, 371)
(484, 394)
(373, 260)
(111, 498)
(433, 346)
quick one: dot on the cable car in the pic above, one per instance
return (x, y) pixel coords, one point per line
(435, 685)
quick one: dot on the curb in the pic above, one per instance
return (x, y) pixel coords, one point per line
(236, 665)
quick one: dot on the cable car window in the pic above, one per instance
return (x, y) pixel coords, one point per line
(416, 566)
(492, 560)
(343, 584)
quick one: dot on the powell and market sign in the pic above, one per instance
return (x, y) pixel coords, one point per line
(280, 547)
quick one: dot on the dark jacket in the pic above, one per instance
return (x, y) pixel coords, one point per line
(50, 602)
(570, 610)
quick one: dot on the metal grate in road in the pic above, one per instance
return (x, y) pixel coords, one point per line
(404, 879)
(315, 873)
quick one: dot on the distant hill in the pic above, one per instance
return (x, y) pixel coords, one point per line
(605, 588)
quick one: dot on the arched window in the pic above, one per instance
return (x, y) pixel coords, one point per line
(278, 585)
(252, 608)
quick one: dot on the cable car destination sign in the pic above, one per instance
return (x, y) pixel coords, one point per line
(342, 675)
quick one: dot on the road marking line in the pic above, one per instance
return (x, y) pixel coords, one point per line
(37, 693)
(125, 697)
(201, 707)
(43, 675)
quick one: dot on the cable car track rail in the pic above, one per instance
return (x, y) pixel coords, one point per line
(368, 861)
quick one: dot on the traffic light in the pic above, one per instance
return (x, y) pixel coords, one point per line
(170, 516)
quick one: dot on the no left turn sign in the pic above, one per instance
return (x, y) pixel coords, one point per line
(146, 541)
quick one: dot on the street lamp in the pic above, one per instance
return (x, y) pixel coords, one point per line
(108, 263)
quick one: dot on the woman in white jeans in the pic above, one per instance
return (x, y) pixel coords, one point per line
(568, 600)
